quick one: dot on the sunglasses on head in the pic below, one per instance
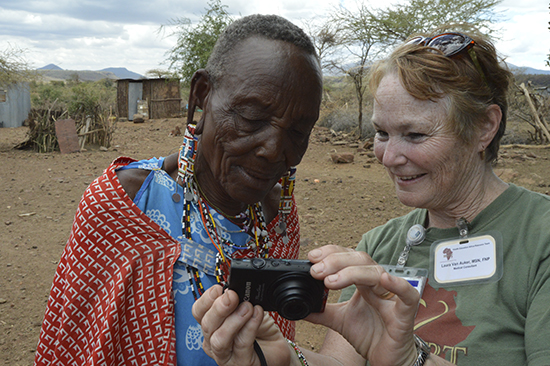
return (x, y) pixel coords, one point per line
(450, 44)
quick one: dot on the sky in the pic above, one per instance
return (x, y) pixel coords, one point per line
(97, 34)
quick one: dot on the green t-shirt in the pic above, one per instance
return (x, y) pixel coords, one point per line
(500, 323)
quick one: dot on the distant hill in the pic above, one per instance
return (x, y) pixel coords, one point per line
(54, 72)
(83, 75)
(528, 70)
(123, 73)
(528, 75)
(50, 67)
(515, 69)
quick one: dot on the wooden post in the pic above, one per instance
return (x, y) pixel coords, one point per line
(535, 113)
(84, 133)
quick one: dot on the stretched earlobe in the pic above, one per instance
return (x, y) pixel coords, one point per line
(200, 126)
(198, 94)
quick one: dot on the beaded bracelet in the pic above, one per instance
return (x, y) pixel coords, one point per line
(299, 353)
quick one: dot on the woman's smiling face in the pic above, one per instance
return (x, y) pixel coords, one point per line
(429, 166)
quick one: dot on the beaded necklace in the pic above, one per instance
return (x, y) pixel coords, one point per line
(253, 221)
(241, 217)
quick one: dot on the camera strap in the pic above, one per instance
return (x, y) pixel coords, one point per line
(257, 347)
(260, 353)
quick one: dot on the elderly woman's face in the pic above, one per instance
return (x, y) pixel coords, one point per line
(427, 163)
(258, 119)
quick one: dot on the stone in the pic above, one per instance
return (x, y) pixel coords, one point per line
(138, 118)
(368, 145)
(175, 132)
(342, 158)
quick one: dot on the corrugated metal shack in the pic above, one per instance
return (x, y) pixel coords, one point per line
(161, 96)
(15, 104)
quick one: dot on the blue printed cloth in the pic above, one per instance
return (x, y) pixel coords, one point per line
(156, 200)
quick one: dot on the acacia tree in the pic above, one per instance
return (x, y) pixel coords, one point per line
(14, 67)
(195, 42)
(357, 37)
(325, 36)
(158, 73)
(366, 32)
(396, 23)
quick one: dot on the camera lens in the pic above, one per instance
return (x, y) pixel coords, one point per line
(292, 296)
(294, 308)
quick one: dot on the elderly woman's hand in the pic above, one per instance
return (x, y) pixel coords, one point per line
(378, 325)
(230, 328)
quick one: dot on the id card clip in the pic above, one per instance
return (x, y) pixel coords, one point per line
(417, 277)
(415, 236)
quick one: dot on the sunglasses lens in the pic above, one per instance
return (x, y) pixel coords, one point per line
(450, 44)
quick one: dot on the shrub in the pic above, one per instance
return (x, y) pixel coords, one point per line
(88, 103)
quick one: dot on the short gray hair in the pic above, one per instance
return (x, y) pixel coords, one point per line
(268, 26)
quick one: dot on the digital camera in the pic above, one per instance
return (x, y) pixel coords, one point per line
(280, 285)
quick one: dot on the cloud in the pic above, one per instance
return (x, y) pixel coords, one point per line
(525, 38)
(95, 34)
(119, 11)
(88, 36)
(53, 27)
(290, 9)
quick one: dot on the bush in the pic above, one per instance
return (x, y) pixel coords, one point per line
(88, 103)
(89, 99)
(344, 119)
(339, 110)
(45, 95)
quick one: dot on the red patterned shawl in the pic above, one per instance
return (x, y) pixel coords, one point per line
(110, 302)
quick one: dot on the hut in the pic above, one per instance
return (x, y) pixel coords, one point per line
(15, 104)
(154, 98)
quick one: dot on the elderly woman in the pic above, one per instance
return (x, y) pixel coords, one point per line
(439, 113)
(150, 237)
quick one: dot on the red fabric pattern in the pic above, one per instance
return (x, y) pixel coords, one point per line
(290, 251)
(110, 302)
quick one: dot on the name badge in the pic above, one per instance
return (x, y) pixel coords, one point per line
(468, 260)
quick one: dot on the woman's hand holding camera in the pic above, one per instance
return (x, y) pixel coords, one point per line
(378, 320)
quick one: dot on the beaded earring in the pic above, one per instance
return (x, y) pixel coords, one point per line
(285, 203)
(186, 166)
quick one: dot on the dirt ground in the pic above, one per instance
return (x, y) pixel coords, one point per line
(39, 194)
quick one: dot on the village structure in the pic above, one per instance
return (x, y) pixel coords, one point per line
(15, 104)
(148, 98)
